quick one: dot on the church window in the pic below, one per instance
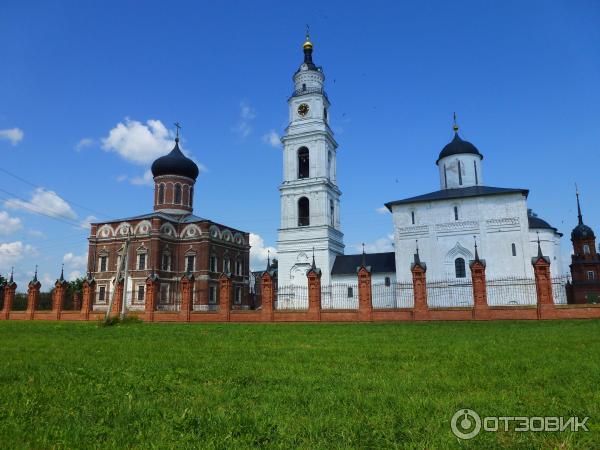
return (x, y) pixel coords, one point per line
(239, 268)
(460, 268)
(140, 293)
(227, 265)
(514, 249)
(213, 263)
(191, 199)
(164, 293)
(412, 217)
(303, 212)
(586, 249)
(238, 295)
(445, 177)
(212, 295)
(591, 275)
(303, 87)
(189, 263)
(388, 282)
(456, 213)
(303, 163)
(350, 292)
(141, 261)
(325, 114)
(329, 164)
(166, 261)
(331, 213)
(103, 263)
(459, 174)
(102, 294)
(177, 194)
(161, 194)
(475, 168)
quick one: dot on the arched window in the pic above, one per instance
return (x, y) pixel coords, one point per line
(191, 201)
(586, 249)
(459, 173)
(476, 177)
(329, 164)
(460, 268)
(161, 194)
(456, 213)
(331, 213)
(412, 217)
(303, 212)
(303, 86)
(303, 163)
(514, 250)
(387, 281)
(177, 194)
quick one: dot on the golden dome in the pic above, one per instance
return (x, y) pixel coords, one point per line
(307, 43)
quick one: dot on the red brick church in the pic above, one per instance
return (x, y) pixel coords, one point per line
(168, 244)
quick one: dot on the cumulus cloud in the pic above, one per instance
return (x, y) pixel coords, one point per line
(75, 262)
(382, 210)
(145, 180)
(13, 252)
(14, 135)
(73, 275)
(383, 244)
(272, 139)
(86, 223)
(83, 143)
(45, 202)
(9, 224)
(247, 114)
(259, 252)
(137, 142)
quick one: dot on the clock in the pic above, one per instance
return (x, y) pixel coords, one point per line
(303, 109)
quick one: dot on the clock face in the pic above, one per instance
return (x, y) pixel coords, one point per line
(303, 109)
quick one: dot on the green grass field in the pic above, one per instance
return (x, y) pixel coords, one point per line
(77, 385)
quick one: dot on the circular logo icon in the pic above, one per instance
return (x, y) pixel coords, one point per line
(465, 424)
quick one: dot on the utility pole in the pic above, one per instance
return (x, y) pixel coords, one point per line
(124, 302)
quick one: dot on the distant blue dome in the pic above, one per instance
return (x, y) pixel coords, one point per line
(175, 163)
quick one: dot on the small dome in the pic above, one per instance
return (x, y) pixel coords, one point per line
(457, 147)
(582, 231)
(307, 43)
(175, 163)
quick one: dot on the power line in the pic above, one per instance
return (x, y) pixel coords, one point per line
(39, 209)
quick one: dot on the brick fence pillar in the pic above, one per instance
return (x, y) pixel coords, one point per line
(9, 298)
(480, 304)
(89, 291)
(118, 301)
(76, 301)
(543, 283)
(152, 290)
(58, 296)
(187, 297)
(419, 279)
(33, 293)
(268, 297)
(314, 293)
(225, 290)
(365, 294)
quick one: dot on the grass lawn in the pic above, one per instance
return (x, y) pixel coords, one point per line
(77, 385)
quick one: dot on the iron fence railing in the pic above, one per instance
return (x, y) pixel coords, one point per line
(292, 297)
(339, 296)
(559, 289)
(511, 291)
(392, 295)
(450, 293)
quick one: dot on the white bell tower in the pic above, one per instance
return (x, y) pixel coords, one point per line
(310, 198)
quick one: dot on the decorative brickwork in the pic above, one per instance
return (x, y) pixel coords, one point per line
(314, 293)
(187, 297)
(58, 297)
(118, 301)
(480, 309)
(420, 309)
(365, 300)
(225, 291)
(9, 298)
(33, 294)
(152, 290)
(89, 291)
(268, 297)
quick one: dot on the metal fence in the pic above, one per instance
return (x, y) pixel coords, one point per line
(450, 293)
(340, 296)
(292, 297)
(511, 291)
(392, 295)
(559, 289)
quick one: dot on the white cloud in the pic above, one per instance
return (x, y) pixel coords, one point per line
(86, 223)
(9, 224)
(14, 135)
(46, 202)
(36, 233)
(272, 138)
(83, 143)
(137, 142)
(382, 210)
(247, 115)
(259, 253)
(121, 178)
(145, 180)
(13, 252)
(73, 275)
(383, 244)
(73, 261)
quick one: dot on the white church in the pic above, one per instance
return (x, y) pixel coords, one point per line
(444, 224)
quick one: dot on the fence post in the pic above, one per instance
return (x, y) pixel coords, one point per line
(9, 297)
(419, 279)
(225, 295)
(365, 304)
(152, 289)
(33, 293)
(543, 282)
(480, 304)
(76, 301)
(58, 296)
(268, 297)
(314, 292)
(187, 297)
(116, 308)
(89, 291)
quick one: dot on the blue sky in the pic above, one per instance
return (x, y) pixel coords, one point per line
(522, 77)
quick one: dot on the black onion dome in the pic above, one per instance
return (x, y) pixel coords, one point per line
(175, 163)
(582, 231)
(457, 147)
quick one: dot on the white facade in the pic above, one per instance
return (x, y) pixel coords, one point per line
(309, 178)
